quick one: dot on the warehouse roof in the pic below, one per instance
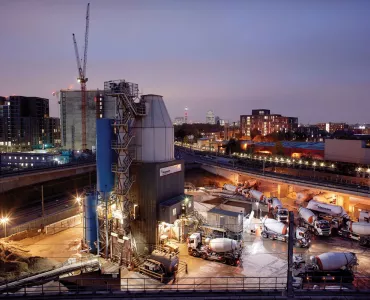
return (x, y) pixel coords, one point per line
(224, 212)
(303, 145)
(175, 200)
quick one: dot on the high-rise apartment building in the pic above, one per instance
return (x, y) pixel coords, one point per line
(52, 131)
(97, 106)
(266, 123)
(210, 117)
(332, 127)
(22, 120)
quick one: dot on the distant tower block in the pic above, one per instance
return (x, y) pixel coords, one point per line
(186, 115)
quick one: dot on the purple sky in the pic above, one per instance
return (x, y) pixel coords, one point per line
(309, 59)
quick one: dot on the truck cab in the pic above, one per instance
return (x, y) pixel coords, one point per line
(194, 243)
(322, 227)
(302, 237)
(281, 214)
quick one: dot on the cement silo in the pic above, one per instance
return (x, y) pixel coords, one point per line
(104, 155)
(154, 133)
(159, 177)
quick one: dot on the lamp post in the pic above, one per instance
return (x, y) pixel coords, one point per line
(4, 221)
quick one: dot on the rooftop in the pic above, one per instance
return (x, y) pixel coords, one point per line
(302, 145)
(223, 212)
(175, 200)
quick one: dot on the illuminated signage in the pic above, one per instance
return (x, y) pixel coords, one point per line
(169, 170)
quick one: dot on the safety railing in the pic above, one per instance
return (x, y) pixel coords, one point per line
(261, 285)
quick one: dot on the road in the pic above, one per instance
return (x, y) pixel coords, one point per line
(235, 166)
(33, 211)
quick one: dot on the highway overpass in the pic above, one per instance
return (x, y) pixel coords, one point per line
(225, 169)
(35, 176)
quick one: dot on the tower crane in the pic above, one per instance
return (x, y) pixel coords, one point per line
(82, 79)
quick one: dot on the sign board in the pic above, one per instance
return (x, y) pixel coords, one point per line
(169, 170)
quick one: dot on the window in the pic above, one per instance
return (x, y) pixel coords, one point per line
(189, 205)
(174, 211)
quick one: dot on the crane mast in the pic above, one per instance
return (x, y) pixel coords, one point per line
(82, 79)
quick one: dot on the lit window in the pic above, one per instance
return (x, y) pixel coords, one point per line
(43, 158)
(101, 116)
(174, 212)
(32, 157)
(20, 157)
(37, 158)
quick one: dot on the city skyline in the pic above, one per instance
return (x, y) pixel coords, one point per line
(308, 60)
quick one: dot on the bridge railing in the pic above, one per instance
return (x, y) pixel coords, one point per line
(36, 169)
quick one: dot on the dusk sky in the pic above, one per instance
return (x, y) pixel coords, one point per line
(309, 59)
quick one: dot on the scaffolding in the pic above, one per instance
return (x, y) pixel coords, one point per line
(128, 108)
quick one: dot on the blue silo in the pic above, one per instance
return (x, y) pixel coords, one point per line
(104, 155)
(91, 228)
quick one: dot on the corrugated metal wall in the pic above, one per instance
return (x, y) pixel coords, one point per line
(148, 191)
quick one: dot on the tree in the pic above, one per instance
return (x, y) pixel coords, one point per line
(278, 148)
(254, 133)
(233, 146)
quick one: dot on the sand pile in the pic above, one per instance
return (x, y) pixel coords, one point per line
(16, 262)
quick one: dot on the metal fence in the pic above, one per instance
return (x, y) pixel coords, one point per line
(39, 223)
(111, 285)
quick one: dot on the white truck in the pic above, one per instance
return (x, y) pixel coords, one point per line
(358, 231)
(326, 267)
(275, 206)
(275, 230)
(309, 220)
(256, 195)
(278, 211)
(330, 212)
(223, 250)
(235, 189)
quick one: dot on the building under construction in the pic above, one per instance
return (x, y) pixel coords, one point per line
(97, 106)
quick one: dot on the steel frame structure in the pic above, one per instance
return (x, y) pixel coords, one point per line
(128, 107)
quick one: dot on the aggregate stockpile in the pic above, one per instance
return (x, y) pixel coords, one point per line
(16, 262)
(309, 220)
(326, 267)
(276, 230)
(223, 250)
(335, 213)
(358, 231)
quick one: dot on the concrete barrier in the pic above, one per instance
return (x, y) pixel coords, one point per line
(63, 224)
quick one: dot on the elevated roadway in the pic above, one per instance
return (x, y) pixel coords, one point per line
(225, 169)
(29, 177)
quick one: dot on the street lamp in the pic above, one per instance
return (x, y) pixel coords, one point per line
(4, 221)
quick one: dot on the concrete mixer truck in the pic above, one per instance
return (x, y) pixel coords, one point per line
(278, 211)
(309, 220)
(358, 231)
(223, 250)
(330, 212)
(275, 230)
(326, 267)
